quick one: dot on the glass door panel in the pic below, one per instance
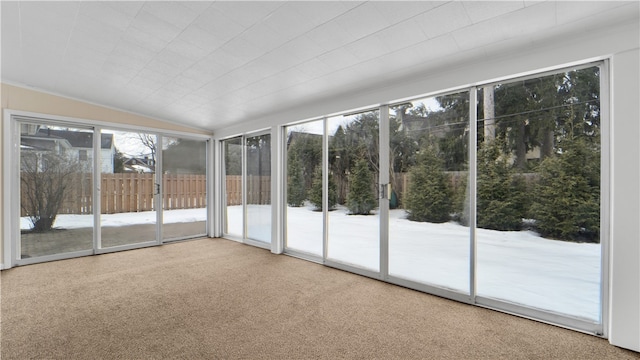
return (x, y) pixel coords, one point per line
(538, 197)
(233, 223)
(184, 188)
(56, 197)
(128, 204)
(429, 236)
(354, 220)
(258, 187)
(304, 188)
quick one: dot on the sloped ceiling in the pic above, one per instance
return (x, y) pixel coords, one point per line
(213, 64)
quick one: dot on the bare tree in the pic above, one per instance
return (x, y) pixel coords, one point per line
(45, 179)
(149, 142)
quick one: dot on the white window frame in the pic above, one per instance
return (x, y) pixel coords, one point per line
(11, 149)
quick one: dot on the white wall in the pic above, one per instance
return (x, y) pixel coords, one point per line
(625, 218)
(618, 43)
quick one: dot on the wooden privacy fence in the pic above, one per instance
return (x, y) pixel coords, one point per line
(132, 192)
(258, 189)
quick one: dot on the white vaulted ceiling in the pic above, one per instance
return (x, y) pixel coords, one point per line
(213, 64)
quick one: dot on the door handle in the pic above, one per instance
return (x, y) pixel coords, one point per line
(385, 190)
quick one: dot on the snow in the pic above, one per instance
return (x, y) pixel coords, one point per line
(515, 266)
(123, 219)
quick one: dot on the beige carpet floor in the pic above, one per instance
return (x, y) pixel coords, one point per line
(217, 299)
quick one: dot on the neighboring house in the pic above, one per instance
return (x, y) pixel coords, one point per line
(75, 145)
(82, 146)
(139, 165)
(33, 146)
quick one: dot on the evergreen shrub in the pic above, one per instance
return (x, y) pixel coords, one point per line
(315, 193)
(501, 194)
(567, 197)
(429, 197)
(361, 198)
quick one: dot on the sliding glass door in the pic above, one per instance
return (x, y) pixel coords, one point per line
(539, 193)
(304, 210)
(258, 187)
(184, 188)
(84, 189)
(429, 230)
(247, 188)
(353, 215)
(493, 197)
(233, 221)
(56, 189)
(129, 193)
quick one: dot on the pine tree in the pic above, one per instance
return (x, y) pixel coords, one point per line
(361, 199)
(501, 194)
(315, 193)
(296, 192)
(567, 201)
(460, 200)
(429, 197)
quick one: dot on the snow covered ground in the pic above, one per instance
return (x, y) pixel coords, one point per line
(123, 219)
(516, 266)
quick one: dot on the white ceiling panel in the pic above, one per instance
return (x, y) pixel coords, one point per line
(262, 37)
(129, 52)
(397, 11)
(185, 49)
(367, 48)
(330, 35)
(338, 59)
(363, 20)
(152, 25)
(128, 8)
(314, 68)
(105, 13)
(290, 21)
(174, 13)
(212, 64)
(443, 19)
(483, 10)
(144, 39)
(300, 49)
(514, 24)
(201, 38)
(247, 13)
(95, 35)
(218, 24)
(401, 35)
(568, 12)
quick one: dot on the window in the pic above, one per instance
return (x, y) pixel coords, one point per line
(538, 192)
(489, 195)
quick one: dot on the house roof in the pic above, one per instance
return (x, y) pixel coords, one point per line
(78, 139)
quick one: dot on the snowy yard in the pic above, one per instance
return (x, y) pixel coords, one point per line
(517, 266)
